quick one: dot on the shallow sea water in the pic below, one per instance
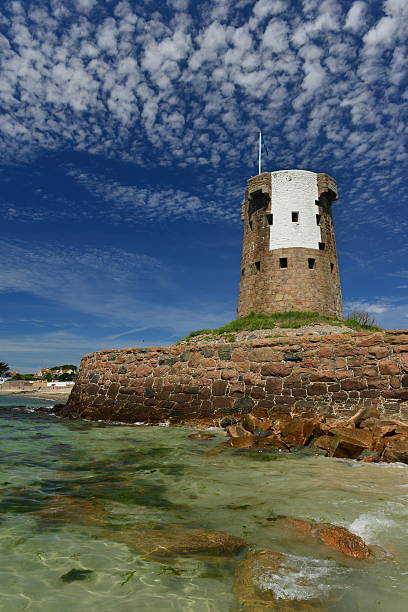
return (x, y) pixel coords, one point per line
(157, 475)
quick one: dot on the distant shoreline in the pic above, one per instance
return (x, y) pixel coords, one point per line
(61, 396)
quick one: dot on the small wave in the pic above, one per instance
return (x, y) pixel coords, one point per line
(302, 578)
(371, 526)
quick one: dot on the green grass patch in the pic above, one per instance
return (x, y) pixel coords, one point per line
(290, 320)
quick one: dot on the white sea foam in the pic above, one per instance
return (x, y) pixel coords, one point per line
(371, 526)
(302, 578)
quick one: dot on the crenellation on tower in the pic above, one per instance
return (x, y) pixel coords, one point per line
(289, 259)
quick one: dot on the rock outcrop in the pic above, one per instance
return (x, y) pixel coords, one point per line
(255, 593)
(337, 538)
(173, 540)
(368, 440)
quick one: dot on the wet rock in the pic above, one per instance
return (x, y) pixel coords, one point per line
(244, 442)
(252, 424)
(342, 540)
(76, 574)
(227, 421)
(174, 540)
(328, 443)
(251, 588)
(353, 436)
(351, 441)
(396, 449)
(238, 431)
(201, 435)
(334, 537)
(73, 510)
(272, 441)
(299, 431)
(369, 456)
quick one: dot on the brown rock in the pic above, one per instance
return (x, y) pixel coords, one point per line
(276, 369)
(254, 596)
(73, 510)
(388, 367)
(251, 423)
(328, 443)
(333, 536)
(244, 442)
(396, 449)
(350, 435)
(298, 431)
(238, 431)
(174, 540)
(273, 441)
(201, 435)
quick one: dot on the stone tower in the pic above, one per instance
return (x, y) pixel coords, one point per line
(289, 259)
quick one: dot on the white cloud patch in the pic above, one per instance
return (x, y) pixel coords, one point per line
(356, 17)
(148, 84)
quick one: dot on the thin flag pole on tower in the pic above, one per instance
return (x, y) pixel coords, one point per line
(261, 142)
(260, 153)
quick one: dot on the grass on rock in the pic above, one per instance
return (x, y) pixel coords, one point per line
(292, 320)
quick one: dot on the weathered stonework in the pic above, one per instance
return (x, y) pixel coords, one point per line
(333, 375)
(266, 287)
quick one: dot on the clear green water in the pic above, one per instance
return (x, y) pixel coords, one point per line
(146, 476)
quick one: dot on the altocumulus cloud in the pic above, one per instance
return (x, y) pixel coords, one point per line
(129, 80)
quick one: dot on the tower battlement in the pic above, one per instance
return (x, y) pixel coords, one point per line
(289, 259)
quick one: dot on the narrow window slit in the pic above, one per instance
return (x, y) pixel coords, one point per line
(243, 272)
(318, 217)
(331, 267)
(295, 217)
(270, 219)
(258, 266)
(312, 263)
(283, 262)
(250, 224)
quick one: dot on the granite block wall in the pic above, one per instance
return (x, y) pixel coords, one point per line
(333, 375)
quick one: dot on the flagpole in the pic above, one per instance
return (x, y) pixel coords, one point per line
(259, 152)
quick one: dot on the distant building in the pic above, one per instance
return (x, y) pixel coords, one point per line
(57, 372)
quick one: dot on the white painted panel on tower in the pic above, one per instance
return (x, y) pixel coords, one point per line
(294, 191)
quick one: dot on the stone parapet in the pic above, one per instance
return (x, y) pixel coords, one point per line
(333, 375)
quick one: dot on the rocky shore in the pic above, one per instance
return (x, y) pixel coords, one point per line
(367, 439)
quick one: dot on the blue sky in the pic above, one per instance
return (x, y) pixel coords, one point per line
(128, 131)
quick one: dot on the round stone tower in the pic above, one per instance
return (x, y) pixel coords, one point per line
(289, 259)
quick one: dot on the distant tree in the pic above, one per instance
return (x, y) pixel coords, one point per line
(362, 317)
(19, 376)
(66, 377)
(4, 368)
(65, 367)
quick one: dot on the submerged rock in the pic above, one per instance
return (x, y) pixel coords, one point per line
(73, 510)
(174, 540)
(76, 574)
(254, 588)
(337, 538)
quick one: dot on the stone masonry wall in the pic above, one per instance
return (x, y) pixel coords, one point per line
(329, 375)
(266, 288)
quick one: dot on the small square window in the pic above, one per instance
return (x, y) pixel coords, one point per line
(322, 246)
(312, 263)
(318, 217)
(270, 219)
(283, 262)
(295, 217)
(257, 266)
